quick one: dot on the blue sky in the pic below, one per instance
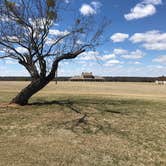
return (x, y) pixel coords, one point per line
(136, 46)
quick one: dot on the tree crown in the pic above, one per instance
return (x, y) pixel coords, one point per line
(28, 34)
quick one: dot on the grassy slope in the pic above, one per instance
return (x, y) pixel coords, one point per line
(125, 125)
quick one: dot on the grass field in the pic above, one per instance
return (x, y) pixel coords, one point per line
(86, 124)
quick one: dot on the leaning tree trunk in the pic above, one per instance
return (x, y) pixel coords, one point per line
(25, 94)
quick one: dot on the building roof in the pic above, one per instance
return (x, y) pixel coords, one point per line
(87, 77)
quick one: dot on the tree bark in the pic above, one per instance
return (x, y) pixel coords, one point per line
(24, 95)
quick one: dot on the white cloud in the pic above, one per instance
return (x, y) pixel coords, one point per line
(66, 1)
(38, 22)
(152, 40)
(2, 52)
(96, 4)
(137, 63)
(4, 18)
(108, 56)
(11, 38)
(149, 37)
(50, 41)
(7, 70)
(119, 51)
(155, 46)
(90, 9)
(134, 55)
(95, 55)
(22, 50)
(112, 62)
(10, 61)
(57, 32)
(87, 10)
(79, 42)
(19, 49)
(160, 59)
(140, 11)
(89, 55)
(144, 9)
(154, 2)
(134, 63)
(119, 37)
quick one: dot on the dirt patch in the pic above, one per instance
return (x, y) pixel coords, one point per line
(4, 105)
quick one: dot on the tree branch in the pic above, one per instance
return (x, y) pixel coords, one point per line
(70, 55)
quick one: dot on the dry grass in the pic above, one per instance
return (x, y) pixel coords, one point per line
(125, 125)
(106, 89)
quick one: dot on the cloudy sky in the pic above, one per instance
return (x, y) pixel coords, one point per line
(136, 45)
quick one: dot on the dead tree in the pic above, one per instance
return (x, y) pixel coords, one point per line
(28, 35)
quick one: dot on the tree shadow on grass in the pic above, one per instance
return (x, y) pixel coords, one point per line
(87, 122)
(64, 103)
(71, 104)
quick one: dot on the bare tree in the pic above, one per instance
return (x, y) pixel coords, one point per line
(28, 35)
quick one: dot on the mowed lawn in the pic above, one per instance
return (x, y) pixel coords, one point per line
(84, 123)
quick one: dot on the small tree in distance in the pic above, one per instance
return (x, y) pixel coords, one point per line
(28, 35)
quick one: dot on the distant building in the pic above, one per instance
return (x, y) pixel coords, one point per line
(85, 76)
(161, 80)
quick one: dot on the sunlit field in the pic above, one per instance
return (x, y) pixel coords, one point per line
(84, 123)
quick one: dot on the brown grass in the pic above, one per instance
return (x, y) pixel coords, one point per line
(106, 89)
(125, 125)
